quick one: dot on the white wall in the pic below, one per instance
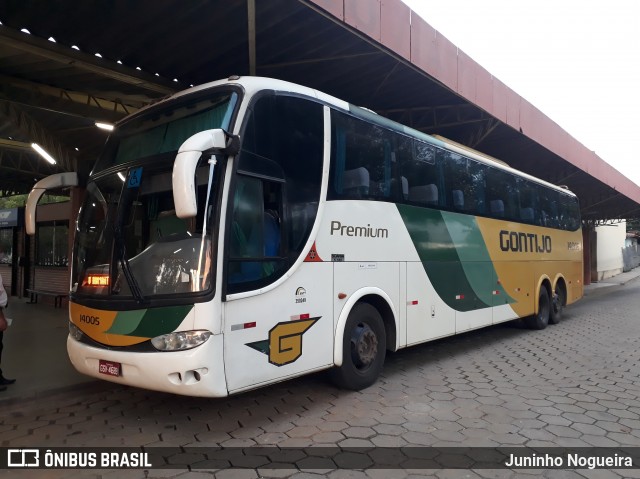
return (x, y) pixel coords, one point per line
(611, 240)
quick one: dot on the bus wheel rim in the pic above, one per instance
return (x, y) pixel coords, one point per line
(557, 302)
(364, 346)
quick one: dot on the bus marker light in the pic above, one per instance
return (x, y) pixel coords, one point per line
(236, 327)
(414, 302)
(298, 317)
(341, 295)
(75, 332)
(496, 292)
(460, 296)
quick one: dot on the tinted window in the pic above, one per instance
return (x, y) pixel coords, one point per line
(363, 159)
(501, 194)
(529, 211)
(277, 189)
(569, 215)
(162, 130)
(464, 180)
(549, 207)
(421, 173)
(372, 162)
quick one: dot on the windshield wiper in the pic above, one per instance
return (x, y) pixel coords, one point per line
(125, 199)
(126, 268)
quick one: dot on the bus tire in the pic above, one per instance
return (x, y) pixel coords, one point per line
(363, 349)
(541, 319)
(557, 305)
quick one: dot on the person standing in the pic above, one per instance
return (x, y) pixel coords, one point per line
(4, 301)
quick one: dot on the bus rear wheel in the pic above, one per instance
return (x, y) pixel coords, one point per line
(541, 319)
(363, 349)
(557, 305)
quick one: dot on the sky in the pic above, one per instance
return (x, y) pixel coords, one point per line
(578, 61)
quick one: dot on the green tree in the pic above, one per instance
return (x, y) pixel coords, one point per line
(21, 200)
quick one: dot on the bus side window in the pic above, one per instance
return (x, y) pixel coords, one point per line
(362, 159)
(549, 207)
(456, 176)
(502, 194)
(530, 211)
(569, 215)
(404, 183)
(355, 182)
(255, 238)
(457, 199)
(496, 208)
(424, 194)
(277, 189)
(247, 210)
(419, 172)
(464, 180)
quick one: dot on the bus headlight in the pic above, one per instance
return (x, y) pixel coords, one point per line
(180, 340)
(75, 332)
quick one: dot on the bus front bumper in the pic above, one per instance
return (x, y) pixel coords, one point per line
(194, 372)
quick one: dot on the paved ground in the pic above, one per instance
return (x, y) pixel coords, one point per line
(576, 384)
(35, 352)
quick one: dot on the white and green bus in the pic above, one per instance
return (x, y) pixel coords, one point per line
(250, 230)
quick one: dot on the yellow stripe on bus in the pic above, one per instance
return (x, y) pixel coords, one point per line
(94, 323)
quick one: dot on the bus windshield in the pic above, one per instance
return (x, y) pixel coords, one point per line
(129, 242)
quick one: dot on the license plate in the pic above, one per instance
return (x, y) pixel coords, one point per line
(110, 368)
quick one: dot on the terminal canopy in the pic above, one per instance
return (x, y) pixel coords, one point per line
(62, 70)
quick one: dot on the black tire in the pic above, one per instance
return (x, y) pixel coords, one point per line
(540, 320)
(557, 305)
(363, 348)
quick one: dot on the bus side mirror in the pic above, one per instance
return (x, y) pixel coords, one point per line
(50, 182)
(184, 168)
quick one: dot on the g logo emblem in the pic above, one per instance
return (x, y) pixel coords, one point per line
(285, 341)
(284, 345)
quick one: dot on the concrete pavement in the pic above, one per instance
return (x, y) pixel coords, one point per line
(35, 352)
(618, 280)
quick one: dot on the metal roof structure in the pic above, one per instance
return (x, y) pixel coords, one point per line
(82, 62)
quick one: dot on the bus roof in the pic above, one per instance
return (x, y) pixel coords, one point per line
(253, 84)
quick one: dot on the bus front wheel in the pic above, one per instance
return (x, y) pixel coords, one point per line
(363, 349)
(541, 319)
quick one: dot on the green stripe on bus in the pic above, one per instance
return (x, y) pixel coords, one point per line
(149, 323)
(475, 258)
(126, 322)
(159, 321)
(440, 259)
(455, 257)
